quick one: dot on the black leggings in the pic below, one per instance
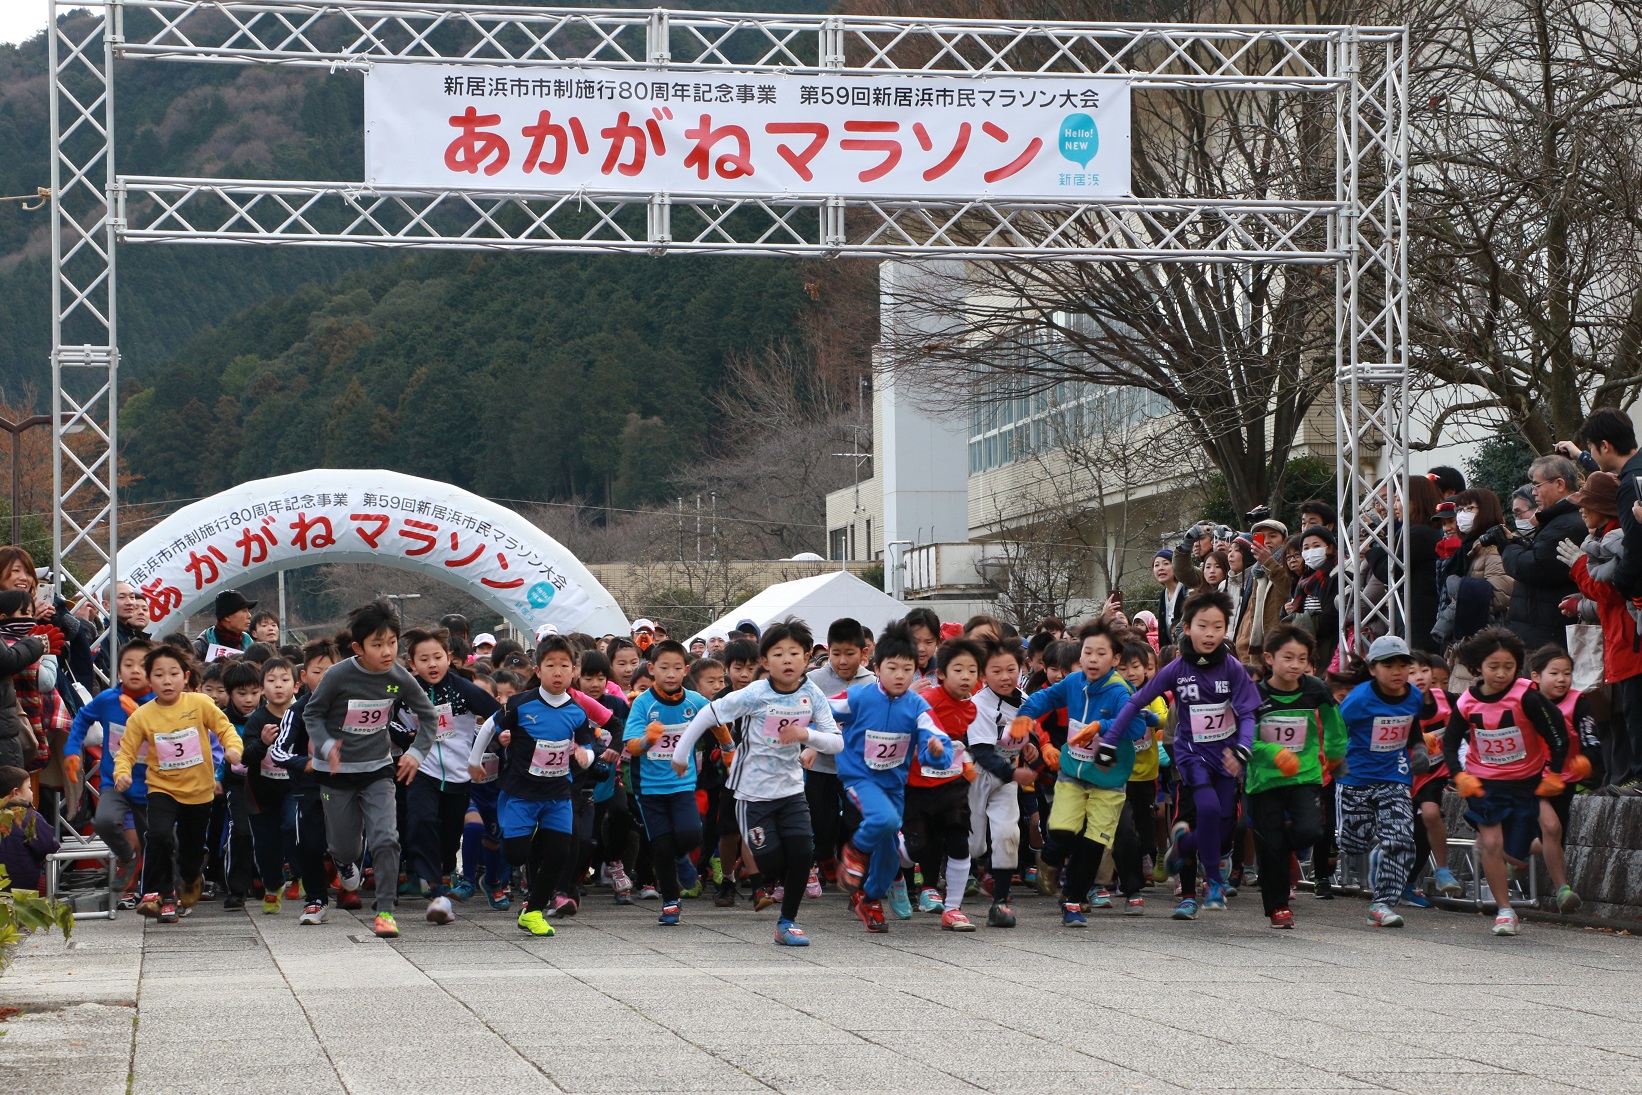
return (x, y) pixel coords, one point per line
(543, 854)
(824, 791)
(1285, 820)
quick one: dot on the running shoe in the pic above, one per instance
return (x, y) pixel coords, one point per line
(1447, 883)
(1566, 900)
(463, 890)
(692, 890)
(1505, 923)
(194, 891)
(1382, 915)
(1173, 859)
(1214, 899)
(1323, 890)
(1000, 915)
(870, 912)
(1048, 879)
(900, 905)
(234, 901)
(715, 865)
(688, 876)
(620, 883)
(1135, 906)
(852, 868)
(972, 886)
(789, 934)
(986, 884)
(129, 901)
(929, 900)
(1160, 872)
(778, 894)
(1230, 877)
(125, 875)
(168, 911)
(293, 891)
(954, 920)
(1071, 916)
(499, 900)
(1100, 898)
(762, 899)
(535, 923)
(439, 911)
(1029, 877)
(812, 888)
(648, 893)
(1415, 898)
(386, 927)
(270, 903)
(1283, 918)
(312, 913)
(349, 900)
(563, 906)
(411, 887)
(669, 914)
(726, 895)
(348, 877)
(149, 905)
(1186, 910)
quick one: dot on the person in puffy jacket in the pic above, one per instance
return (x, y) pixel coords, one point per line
(1543, 582)
(18, 652)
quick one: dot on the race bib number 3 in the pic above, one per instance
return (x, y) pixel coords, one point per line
(778, 719)
(1213, 722)
(885, 750)
(178, 749)
(1390, 734)
(1502, 746)
(551, 759)
(1288, 731)
(366, 716)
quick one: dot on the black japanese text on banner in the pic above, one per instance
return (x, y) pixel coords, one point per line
(453, 128)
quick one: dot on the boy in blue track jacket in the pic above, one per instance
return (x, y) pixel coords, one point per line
(883, 724)
(111, 707)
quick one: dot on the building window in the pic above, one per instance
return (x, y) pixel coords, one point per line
(1017, 425)
(838, 544)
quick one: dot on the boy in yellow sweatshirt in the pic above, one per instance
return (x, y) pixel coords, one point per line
(176, 727)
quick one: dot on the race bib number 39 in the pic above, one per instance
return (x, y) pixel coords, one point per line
(1213, 722)
(366, 716)
(885, 750)
(551, 759)
(178, 749)
(1288, 731)
(1390, 734)
(1502, 746)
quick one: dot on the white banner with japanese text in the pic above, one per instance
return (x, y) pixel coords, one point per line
(332, 515)
(614, 130)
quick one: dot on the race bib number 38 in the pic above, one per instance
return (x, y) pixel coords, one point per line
(666, 745)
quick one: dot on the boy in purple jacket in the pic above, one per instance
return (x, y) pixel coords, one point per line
(26, 837)
(1215, 703)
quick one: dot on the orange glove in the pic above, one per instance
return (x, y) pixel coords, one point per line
(1550, 786)
(970, 771)
(1051, 758)
(1580, 766)
(1467, 785)
(1287, 763)
(729, 758)
(1335, 766)
(71, 771)
(1020, 728)
(1086, 735)
(1433, 746)
(652, 734)
(722, 735)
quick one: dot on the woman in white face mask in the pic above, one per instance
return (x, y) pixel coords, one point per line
(1313, 604)
(1481, 525)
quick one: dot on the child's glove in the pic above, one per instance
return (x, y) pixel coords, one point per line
(1579, 767)
(1084, 736)
(1467, 785)
(1287, 763)
(970, 771)
(1051, 758)
(49, 634)
(71, 772)
(1020, 728)
(652, 734)
(1433, 745)
(722, 734)
(1550, 786)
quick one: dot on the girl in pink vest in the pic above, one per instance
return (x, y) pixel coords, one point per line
(1553, 673)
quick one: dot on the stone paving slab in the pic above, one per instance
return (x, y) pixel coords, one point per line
(615, 1003)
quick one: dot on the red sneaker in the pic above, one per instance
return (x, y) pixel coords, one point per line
(293, 891)
(954, 920)
(349, 899)
(870, 912)
(852, 868)
(1283, 918)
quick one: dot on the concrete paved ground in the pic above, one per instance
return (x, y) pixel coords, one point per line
(247, 1002)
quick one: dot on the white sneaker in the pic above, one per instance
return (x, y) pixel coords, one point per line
(349, 877)
(1507, 922)
(312, 914)
(439, 911)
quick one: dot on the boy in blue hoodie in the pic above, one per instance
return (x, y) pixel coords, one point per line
(1093, 782)
(1215, 706)
(111, 707)
(883, 723)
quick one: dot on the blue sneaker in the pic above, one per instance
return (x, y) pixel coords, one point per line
(1187, 909)
(499, 900)
(789, 934)
(1173, 859)
(1214, 899)
(1447, 883)
(1100, 898)
(900, 906)
(929, 901)
(463, 890)
(1072, 916)
(1414, 897)
(1228, 887)
(669, 914)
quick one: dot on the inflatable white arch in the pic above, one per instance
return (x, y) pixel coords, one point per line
(383, 517)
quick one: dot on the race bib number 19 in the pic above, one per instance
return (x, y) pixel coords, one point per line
(1288, 731)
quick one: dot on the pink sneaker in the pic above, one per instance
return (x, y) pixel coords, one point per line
(812, 888)
(778, 893)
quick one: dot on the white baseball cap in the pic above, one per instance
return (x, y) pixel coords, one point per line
(544, 631)
(484, 638)
(642, 624)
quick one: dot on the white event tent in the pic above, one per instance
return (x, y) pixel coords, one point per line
(818, 601)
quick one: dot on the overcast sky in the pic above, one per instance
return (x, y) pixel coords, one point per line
(20, 19)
